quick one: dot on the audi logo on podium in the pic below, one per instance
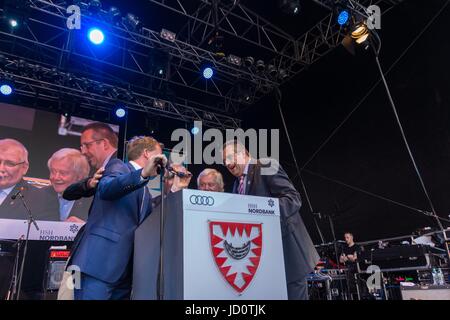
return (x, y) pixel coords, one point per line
(201, 200)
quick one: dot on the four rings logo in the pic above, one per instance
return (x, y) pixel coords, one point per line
(201, 200)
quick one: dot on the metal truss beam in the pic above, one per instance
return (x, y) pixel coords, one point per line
(42, 83)
(320, 39)
(129, 51)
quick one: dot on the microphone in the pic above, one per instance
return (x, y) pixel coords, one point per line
(14, 196)
(178, 173)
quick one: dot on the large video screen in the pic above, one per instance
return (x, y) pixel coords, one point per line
(40, 157)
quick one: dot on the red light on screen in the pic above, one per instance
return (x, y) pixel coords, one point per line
(60, 254)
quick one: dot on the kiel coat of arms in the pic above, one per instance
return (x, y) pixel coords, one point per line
(236, 248)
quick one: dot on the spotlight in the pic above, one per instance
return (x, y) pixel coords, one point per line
(6, 89)
(15, 12)
(248, 61)
(120, 112)
(237, 61)
(343, 17)
(208, 73)
(132, 22)
(96, 36)
(360, 32)
(195, 130)
(260, 66)
(291, 7)
(160, 104)
(273, 72)
(168, 35)
(13, 23)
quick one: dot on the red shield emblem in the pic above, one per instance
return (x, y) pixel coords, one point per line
(236, 248)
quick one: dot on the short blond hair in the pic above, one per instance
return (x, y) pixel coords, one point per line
(137, 145)
(78, 161)
(217, 175)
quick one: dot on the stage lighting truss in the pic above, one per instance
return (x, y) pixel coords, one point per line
(52, 87)
(131, 41)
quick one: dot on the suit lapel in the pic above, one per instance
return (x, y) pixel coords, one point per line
(250, 178)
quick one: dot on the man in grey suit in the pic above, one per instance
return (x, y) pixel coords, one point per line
(14, 166)
(259, 179)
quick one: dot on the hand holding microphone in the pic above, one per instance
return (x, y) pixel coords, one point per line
(151, 168)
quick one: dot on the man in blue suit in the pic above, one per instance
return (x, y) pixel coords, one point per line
(121, 203)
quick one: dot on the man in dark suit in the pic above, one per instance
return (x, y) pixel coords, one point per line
(99, 145)
(13, 167)
(66, 167)
(268, 179)
(121, 202)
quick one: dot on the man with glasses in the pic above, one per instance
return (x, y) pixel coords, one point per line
(13, 167)
(99, 145)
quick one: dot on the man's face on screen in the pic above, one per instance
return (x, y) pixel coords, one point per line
(13, 165)
(93, 149)
(62, 174)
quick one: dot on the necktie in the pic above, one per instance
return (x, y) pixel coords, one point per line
(241, 188)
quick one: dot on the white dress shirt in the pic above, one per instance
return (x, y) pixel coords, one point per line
(4, 193)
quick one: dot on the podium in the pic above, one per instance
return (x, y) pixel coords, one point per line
(216, 246)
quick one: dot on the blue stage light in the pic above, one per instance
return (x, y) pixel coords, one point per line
(120, 112)
(13, 23)
(96, 36)
(195, 130)
(208, 73)
(343, 17)
(6, 89)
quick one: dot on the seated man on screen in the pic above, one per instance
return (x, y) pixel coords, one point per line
(14, 166)
(66, 167)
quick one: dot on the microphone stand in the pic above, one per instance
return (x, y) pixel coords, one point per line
(13, 285)
(160, 278)
(336, 252)
(30, 221)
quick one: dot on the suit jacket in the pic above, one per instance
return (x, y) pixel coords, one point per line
(80, 208)
(300, 255)
(14, 209)
(80, 189)
(120, 204)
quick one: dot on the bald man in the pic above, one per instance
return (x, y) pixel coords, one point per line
(13, 167)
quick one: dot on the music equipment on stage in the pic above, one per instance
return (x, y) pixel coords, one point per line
(7, 258)
(402, 257)
(42, 266)
(56, 264)
(327, 284)
(431, 292)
